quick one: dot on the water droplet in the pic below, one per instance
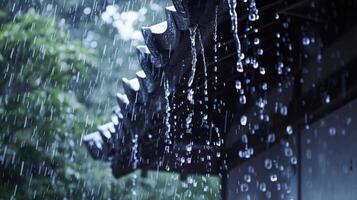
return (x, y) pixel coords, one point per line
(255, 64)
(240, 67)
(243, 120)
(245, 139)
(194, 54)
(273, 178)
(182, 160)
(332, 131)
(271, 138)
(234, 24)
(189, 147)
(244, 187)
(218, 154)
(265, 86)
(277, 16)
(167, 168)
(247, 178)
(293, 160)
(189, 160)
(87, 10)
(327, 99)
(190, 96)
(268, 163)
(305, 41)
(263, 187)
(261, 103)
(288, 151)
(242, 99)
(238, 85)
(256, 41)
(262, 70)
(289, 130)
(205, 189)
(284, 110)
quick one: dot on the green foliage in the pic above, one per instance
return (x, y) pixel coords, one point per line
(37, 61)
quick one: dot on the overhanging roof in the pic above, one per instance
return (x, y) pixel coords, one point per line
(140, 136)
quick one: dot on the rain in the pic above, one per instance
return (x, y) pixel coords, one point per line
(181, 99)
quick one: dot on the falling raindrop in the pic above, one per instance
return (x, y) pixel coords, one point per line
(253, 11)
(305, 41)
(289, 130)
(256, 41)
(273, 177)
(243, 120)
(332, 131)
(261, 103)
(288, 151)
(190, 96)
(277, 16)
(255, 63)
(189, 147)
(271, 138)
(247, 178)
(188, 123)
(167, 111)
(193, 54)
(293, 160)
(327, 99)
(245, 139)
(204, 66)
(262, 70)
(238, 85)
(87, 10)
(244, 187)
(284, 110)
(265, 86)
(234, 24)
(242, 99)
(263, 187)
(268, 163)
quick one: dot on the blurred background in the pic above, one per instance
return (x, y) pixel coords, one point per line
(61, 64)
